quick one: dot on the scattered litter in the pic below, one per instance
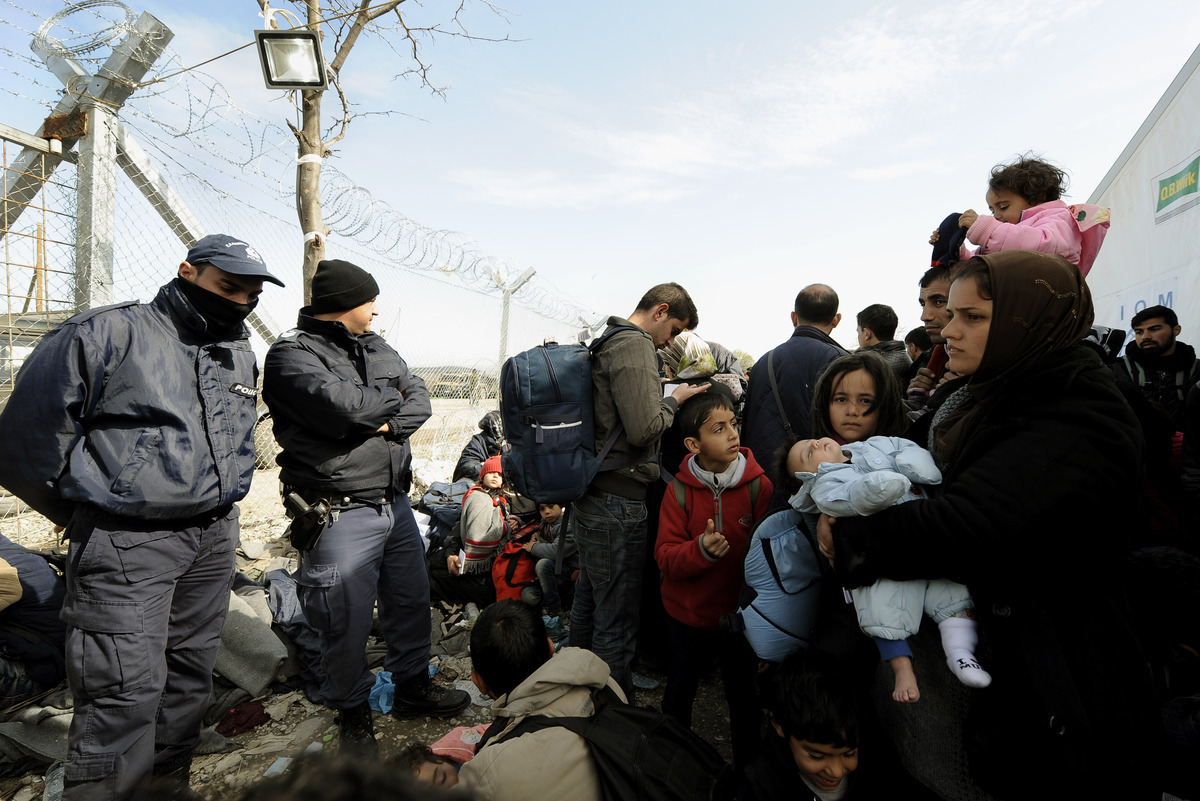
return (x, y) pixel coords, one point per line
(277, 707)
(383, 694)
(253, 549)
(55, 777)
(278, 766)
(477, 698)
(644, 682)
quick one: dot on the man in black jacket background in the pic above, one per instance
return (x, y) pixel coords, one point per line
(791, 369)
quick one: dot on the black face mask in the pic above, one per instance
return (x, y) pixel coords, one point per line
(223, 317)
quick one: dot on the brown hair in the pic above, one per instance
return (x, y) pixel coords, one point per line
(1033, 179)
(890, 420)
(679, 303)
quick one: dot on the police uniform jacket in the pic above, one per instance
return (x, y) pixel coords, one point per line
(132, 409)
(329, 392)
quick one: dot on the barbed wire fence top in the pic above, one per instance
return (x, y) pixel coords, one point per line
(233, 171)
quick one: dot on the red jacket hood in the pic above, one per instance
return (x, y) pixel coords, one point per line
(751, 472)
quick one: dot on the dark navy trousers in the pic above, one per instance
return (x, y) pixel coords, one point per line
(610, 532)
(145, 605)
(367, 554)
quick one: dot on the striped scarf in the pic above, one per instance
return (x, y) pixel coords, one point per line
(480, 547)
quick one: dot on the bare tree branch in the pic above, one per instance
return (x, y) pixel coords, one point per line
(342, 23)
(344, 123)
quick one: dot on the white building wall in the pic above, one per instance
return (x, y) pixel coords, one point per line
(1152, 252)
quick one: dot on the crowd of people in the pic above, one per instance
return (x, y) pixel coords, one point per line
(1007, 469)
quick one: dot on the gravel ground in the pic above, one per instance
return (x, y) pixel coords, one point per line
(297, 725)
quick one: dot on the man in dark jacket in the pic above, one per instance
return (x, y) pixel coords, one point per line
(32, 635)
(133, 427)
(1161, 366)
(779, 401)
(344, 404)
(877, 332)
(1162, 370)
(919, 347)
(481, 447)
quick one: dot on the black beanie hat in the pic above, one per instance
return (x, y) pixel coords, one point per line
(339, 285)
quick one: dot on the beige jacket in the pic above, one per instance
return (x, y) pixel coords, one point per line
(552, 763)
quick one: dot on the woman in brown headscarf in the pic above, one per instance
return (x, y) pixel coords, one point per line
(1040, 456)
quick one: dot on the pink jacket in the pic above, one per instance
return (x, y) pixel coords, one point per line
(1052, 227)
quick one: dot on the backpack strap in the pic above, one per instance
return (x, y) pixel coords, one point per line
(514, 559)
(609, 334)
(769, 555)
(560, 548)
(601, 697)
(680, 494)
(1136, 373)
(755, 484)
(787, 426)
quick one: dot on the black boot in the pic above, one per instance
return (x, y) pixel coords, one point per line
(356, 732)
(172, 780)
(419, 696)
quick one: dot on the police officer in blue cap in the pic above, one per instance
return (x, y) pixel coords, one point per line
(132, 427)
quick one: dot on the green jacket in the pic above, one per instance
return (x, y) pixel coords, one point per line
(627, 390)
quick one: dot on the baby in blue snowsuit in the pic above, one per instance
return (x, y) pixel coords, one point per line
(861, 478)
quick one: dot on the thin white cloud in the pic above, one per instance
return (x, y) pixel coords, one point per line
(878, 72)
(548, 189)
(890, 172)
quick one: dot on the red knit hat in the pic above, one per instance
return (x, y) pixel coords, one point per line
(492, 465)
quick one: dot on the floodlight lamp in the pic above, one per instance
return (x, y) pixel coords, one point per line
(292, 59)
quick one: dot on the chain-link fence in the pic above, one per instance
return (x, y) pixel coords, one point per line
(178, 160)
(39, 293)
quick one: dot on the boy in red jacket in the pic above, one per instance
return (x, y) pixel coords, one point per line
(704, 527)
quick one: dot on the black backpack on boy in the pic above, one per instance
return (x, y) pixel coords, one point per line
(640, 754)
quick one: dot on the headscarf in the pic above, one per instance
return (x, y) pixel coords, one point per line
(1040, 305)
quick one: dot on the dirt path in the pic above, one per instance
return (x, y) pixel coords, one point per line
(297, 725)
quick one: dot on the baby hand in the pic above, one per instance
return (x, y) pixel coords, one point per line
(935, 236)
(713, 542)
(967, 219)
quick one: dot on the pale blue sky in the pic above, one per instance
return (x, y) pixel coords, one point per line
(744, 150)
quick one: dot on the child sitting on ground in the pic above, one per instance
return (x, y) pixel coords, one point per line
(814, 734)
(704, 527)
(1023, 198)
(861, 478)
(484, 522)
(553, 583)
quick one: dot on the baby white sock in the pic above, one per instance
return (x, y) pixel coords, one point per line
(959, 638)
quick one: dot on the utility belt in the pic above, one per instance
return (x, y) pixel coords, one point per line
(342, 501)
(90, 511)
(312, 510)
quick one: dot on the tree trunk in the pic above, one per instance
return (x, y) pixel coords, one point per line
(308, 188)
